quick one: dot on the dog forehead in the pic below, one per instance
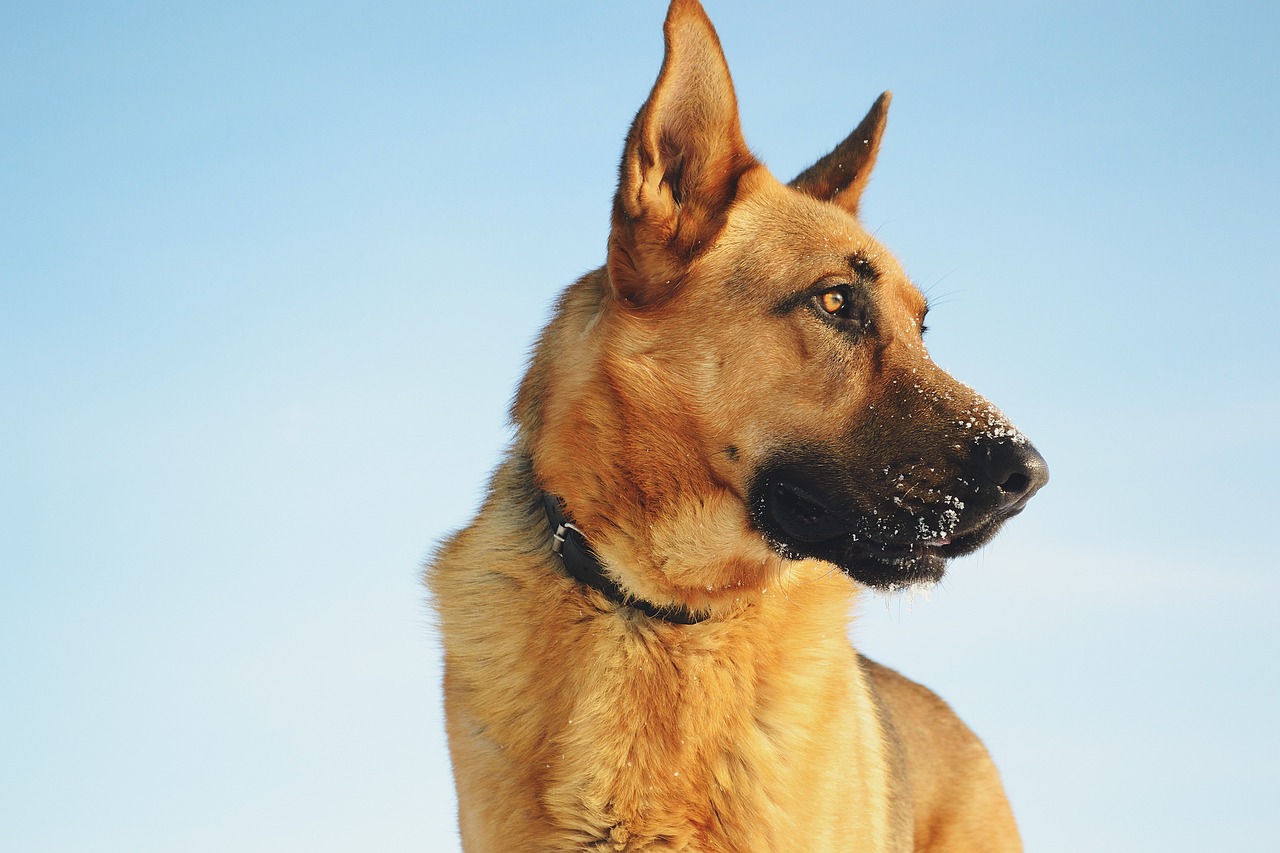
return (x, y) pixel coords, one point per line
(777, 240)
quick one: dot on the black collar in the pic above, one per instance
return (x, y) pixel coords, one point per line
(583, 566)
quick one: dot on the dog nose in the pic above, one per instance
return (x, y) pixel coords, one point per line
(1016, 469)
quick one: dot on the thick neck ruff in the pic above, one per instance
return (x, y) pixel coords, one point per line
(581, 563)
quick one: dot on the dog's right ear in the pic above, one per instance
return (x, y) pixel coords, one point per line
(681, 164)
(841, 176)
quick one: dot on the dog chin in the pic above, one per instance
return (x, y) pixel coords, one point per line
(882, 567)
(798, 524)
(894, 567)
(924, 564)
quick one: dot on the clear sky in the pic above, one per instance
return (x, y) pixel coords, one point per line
(268, 274)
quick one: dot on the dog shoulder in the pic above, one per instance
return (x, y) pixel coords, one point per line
(954, 788)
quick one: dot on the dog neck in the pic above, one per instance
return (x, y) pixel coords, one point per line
(582, 564)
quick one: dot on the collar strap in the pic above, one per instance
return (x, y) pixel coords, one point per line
(582, 564)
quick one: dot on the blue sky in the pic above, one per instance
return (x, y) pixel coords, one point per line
(268, 274)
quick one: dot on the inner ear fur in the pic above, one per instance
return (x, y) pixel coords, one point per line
(841, 176)
(681, 165)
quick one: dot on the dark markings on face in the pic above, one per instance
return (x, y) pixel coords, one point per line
(865, 274)
(863, 268)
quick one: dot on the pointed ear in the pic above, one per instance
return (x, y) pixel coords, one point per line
(842, 175)
(681, 165)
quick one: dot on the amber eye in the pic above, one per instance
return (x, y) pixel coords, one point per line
(833, 300)
(845, 306)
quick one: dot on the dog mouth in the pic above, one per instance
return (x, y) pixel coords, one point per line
(882, 551)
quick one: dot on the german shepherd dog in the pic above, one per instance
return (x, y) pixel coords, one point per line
(725, 433)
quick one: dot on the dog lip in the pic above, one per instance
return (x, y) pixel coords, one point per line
(887, 553)
(802, 515)
(895, 567)
(798, 521)
(979, 535)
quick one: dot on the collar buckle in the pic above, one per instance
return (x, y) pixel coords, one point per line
(557, 538)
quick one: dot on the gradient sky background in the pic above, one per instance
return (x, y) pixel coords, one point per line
(268, 274)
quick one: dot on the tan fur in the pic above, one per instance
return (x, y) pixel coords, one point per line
(958, 802)
(664, 378)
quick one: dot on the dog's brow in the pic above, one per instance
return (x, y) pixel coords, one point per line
(792, 302)
(862, 267)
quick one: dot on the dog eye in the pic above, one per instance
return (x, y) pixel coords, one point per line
(834, 301)
(844, 306)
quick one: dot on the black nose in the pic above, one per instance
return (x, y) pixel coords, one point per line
(1016, 469)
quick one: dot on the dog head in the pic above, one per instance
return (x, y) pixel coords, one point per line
(746, 379)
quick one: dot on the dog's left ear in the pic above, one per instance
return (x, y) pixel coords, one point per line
(682, 162)
(842, 175)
